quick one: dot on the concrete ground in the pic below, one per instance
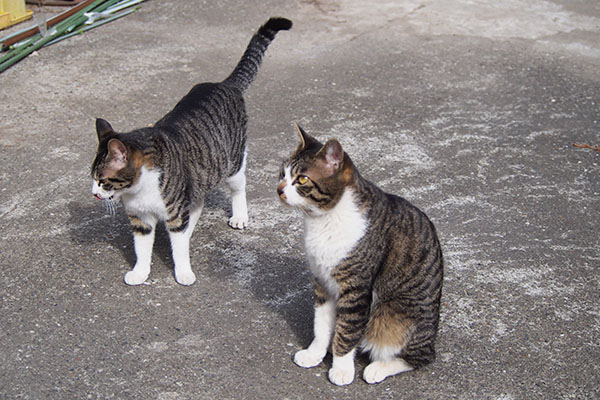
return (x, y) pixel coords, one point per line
(469, 109)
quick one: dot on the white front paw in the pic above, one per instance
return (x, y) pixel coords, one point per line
(134, 277)
(185, 277)
(341, 376)
(307, 359)
(238, 222)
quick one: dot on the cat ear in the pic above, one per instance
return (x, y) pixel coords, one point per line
(103, 129)
(306, 140)
(117, 154)
(332, 155)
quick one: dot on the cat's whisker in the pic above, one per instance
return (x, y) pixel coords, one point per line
(110, 206)
(302, 210)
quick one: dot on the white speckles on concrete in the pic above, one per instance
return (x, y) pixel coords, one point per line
(158, 347)
(469, 109)
(36, 199)
(63, 153)
(539, 20)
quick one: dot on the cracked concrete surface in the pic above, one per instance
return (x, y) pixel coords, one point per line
(469, 109)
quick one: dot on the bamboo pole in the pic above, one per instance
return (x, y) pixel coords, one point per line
(18, 36)
(65, 27)
(92, 26)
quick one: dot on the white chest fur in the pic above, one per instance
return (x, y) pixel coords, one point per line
(144, 197)
(330, 237)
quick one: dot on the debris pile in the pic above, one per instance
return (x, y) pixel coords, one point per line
(84, 16)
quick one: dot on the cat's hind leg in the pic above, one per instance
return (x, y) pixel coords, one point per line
(237, 186)
(180, 247)
(377, 371)
(387, 335)
(143, 240)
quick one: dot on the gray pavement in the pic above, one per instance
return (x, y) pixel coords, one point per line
(468, 109)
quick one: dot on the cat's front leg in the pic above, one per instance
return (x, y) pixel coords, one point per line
(143, 240)
(342, 369)
(323, 329)
(180, 247)
(324, 323)
(351, 321)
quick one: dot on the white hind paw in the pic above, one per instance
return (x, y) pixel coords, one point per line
(134, 277)
(307, 359)
(377, 371)
(238, 222)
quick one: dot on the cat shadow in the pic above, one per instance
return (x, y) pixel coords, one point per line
(91, 225)
(280, 282)
(288, 292)
(276, 276)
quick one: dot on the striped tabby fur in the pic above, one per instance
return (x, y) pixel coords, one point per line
(377, 263)
(163, 173)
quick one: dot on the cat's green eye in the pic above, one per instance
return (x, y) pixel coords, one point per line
(302, 179)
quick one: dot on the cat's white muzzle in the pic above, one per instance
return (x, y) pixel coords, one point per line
(288, 195)
(100, 193)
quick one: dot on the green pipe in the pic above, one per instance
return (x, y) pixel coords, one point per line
(59, 29)
(92, 26)
(20, 53)
(70, 24)
(121, 3)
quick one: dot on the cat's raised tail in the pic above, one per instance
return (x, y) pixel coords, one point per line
(244, 73)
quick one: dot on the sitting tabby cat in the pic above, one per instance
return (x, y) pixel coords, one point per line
(376, 261)
(164, 172)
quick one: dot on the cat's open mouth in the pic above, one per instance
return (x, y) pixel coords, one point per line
(97, 195)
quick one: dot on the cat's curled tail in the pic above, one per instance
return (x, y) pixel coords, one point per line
(246, 70)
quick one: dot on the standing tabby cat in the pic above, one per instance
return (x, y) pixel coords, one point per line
(376, 261)
(164, 172)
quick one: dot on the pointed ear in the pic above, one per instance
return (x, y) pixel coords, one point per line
(117, 154)
(103, 129)
(332, 155)
(305, 139)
